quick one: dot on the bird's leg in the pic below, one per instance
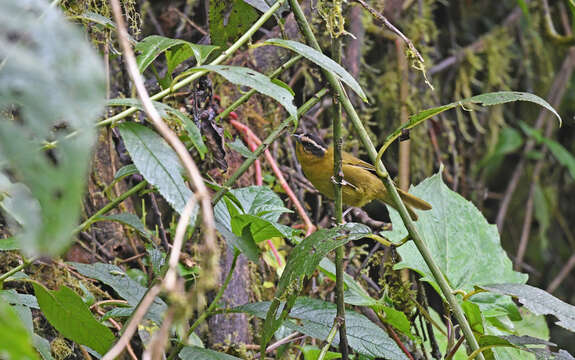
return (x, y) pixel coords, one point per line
(343, 183)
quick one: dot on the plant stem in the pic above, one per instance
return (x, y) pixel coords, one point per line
(338, 176)
(242, 99)
(9, 273)
(196, 75)
(389, 185)
(336, 324)
(267, 142)
(112, 204)
(209, 311)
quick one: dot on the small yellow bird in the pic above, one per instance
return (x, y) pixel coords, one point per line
(360, 184)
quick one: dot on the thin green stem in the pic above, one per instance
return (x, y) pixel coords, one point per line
(196, 75)
(336, 324)
(109, 206)
(242, 99)
(267, 142)
(25, 263)
(389, 185)
(338, 176)
(209, 311)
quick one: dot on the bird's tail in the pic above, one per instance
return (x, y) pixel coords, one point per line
(410, 202)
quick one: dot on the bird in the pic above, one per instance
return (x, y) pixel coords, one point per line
(360, 184)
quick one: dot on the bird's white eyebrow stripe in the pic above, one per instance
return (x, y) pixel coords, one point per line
(308, 139)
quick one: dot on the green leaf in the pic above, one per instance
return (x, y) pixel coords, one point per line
(322, 61)
(229, 20)
(157, 162)
(179, 50)
(9, 244)
(247, 77)
(128, 219)
(66, 311)
(520, 343)
(473, 315)
(16, 342)
(315, 318)
(122, 284)
(124, 171)
(194, 352)
(14, 298)
(312, 353)
(465, 247)
(538, 301)
(45, 95)
(354, 294)
(488, 99)
(167, 111)
(238, 146)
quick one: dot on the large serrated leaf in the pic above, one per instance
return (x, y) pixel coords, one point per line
(45, 95)
(16, 342)
(315, 319)
(247, 77)
(465, 247)
(322, 61)
(66, 311)
(127, 288)
(538, 301)
(157, 162)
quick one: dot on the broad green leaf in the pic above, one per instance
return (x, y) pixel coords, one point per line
(229, 20)
(488, 99)
(538, 301)
(180, 50)
(45, 95)
(16, 342)
(195, 352)
(165, 112)
(128, 219)
(322, 61)
(465, 247)
(473, 315)
(66, 311)
(40, 344)
(315, 318)
(503, 342)
(14, 298)
(122, 284)
(261, 5)
(157, 162)
(247, 77)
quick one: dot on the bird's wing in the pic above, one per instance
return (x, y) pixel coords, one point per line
(350, 160)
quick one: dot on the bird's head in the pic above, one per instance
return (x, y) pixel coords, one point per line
(309, 146)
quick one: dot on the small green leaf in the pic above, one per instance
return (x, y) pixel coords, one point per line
(194, 352)
(538, 301)
(124, 171)
(66, 311)
(122, 284)
(247, 77)
(509, 141)
(16, 342)
(473, 315)
(180, 50)
(312, 353)
(128, 219)
(238, 146)
(157, 162)
(322, 61)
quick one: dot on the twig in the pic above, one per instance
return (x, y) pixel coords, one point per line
(132, 326)
(281, 179)
(562, 275)
(404, 148)
(158, 214)
(337, 323)
(391, 27)
(209, 248)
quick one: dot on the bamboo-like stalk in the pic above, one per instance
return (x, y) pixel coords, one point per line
(338, 176)
(389, 185)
